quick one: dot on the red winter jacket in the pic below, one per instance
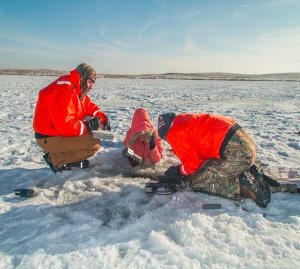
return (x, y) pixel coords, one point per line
(196, 138)
(141, 123)
(60, 112)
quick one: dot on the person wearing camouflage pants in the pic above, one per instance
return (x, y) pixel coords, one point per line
(221, 176)
(216, 156)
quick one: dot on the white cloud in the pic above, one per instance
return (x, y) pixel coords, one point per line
(105, 41)
(263, 55)
(187, 14)
(277, 3)
(145, 28)
(277, 51)
(287, 37)
(26, 40)
(190, 46)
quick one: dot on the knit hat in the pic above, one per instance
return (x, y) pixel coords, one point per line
(164, 124)
(86, 72)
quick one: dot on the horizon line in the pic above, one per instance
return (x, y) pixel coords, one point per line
(143, 74)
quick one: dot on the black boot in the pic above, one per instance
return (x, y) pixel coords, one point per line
(80, 164)
(48, 161)
(255, 188)
(68, 166)
(257, 171)
(274, 184)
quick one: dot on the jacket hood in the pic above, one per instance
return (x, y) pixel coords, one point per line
(140, 121)
(140, 124)
(75, 80)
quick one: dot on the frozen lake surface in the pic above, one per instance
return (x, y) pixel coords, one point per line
(96, 218)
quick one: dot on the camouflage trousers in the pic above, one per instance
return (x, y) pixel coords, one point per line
(221, 176)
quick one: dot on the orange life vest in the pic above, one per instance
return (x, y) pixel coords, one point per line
(196, 138)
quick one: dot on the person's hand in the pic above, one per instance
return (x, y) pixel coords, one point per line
(134, 138)
(92, 124)
(106, 125)
(172, 171)
(152, 141)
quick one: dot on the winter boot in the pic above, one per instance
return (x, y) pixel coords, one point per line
(257, 171)
(275, 186)
(48, 161)
(80, 164)
(68, 166)
(255, 188)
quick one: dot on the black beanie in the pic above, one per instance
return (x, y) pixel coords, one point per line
(164, 124)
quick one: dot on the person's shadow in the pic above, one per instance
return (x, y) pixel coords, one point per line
(99, 209)
(101, 165)
(62, 228)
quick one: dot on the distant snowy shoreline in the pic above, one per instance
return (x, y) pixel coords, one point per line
(177, 76)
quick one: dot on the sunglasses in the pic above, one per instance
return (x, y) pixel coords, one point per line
(90, 83)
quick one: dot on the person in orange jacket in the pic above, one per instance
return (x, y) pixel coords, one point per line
(64, 116)
(142, 143)
(217, 156)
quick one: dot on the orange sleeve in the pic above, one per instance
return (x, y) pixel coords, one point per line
(189, 168)
(93, 110)
(180, 137)
(190, 162)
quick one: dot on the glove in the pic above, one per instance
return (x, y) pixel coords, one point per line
(152, 142)
(106, 125)
(173, 171)
(92, 124)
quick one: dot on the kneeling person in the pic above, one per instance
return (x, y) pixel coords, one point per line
(60, 124)
(216, 156)
(142, 143)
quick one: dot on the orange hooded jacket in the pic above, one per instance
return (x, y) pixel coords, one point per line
(136, 140)
(195, 138)
(60, 112)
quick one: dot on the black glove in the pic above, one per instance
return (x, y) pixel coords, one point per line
(92, 124)
(106, 125)
(152, 142)
(173, 171)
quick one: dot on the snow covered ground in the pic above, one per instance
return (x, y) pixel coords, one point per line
(95, 218)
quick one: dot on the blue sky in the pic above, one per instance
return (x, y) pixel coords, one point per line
(152, 36)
